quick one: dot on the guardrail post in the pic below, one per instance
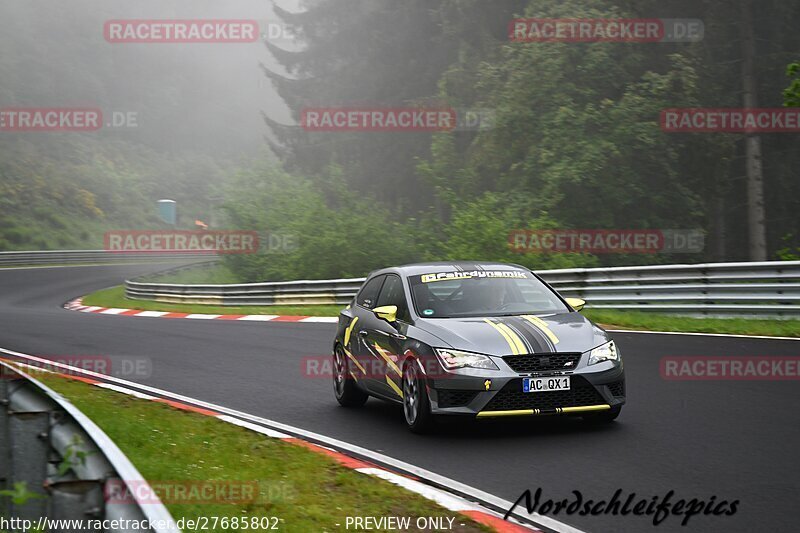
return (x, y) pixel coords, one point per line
(30, 452)
(5, 444)
(77, 500)
(42, 433)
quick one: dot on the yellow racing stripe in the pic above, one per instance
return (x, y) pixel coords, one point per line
(520, 412)
(503, 332)
(354, 360)
(383, 353)
(558, 410)
(514, 337)
(394, 387)
(349, 330)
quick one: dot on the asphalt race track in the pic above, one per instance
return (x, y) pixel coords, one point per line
(736, 440)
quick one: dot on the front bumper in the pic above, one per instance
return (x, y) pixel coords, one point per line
(486, 394)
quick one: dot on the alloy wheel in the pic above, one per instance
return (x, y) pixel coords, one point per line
(410, 394)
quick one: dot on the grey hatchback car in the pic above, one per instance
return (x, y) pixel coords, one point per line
(473, 339)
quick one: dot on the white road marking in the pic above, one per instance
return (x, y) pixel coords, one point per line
(706, 334)
(113, 311)
(253, 427)
(129, 392)
(36, 368)
(316, 438)
(446, 500)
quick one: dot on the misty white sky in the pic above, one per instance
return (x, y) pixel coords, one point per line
(55, 54)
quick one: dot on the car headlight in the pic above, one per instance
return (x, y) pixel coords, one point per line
(605, 352)
(452, 359)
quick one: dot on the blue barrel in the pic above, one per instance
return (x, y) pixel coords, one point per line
(168, 211)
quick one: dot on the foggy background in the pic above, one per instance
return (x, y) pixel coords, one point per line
(205, 97)
(575, 141)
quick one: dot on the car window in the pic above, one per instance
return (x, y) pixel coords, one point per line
(447, 289)
(369, 292)
(393, 294)
(482, 293)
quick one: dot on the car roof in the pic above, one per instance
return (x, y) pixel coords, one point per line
(415, 269)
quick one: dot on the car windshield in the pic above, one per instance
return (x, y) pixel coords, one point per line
(482, 293)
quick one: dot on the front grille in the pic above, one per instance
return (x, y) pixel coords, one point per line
(524, 364)
(455, 398)
(511, 397)
(617, 388)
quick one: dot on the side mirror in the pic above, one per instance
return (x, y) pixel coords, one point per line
(576, 303)
(387, 313)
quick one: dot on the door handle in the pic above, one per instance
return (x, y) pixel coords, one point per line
(392, 335)
(362, 333)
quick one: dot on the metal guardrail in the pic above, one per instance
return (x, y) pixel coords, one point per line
(70, 257)
(769, 288)
(309, 292)
(64, 465)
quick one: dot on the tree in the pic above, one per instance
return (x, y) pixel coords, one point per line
(360, 53)
(791, 95)
(753, 164)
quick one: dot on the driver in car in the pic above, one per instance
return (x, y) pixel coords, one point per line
(486, 296)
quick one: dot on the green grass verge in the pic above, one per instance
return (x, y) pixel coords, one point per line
(115, 297)
(214, 274)
(655, 322)
(307, 491)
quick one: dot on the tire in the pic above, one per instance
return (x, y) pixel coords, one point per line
(416, 404)
(603, 417)
(344, 386)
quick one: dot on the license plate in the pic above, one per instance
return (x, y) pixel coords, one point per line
(545, 384)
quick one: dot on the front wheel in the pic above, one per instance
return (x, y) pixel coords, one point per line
(347, 392)
(416, 405)
(603, 417)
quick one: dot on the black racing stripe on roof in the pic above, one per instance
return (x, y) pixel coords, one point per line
(470, 266)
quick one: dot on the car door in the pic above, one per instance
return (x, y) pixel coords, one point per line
(386, 341)
(355, 342)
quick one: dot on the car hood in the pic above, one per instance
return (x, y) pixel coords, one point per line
(507, 335)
